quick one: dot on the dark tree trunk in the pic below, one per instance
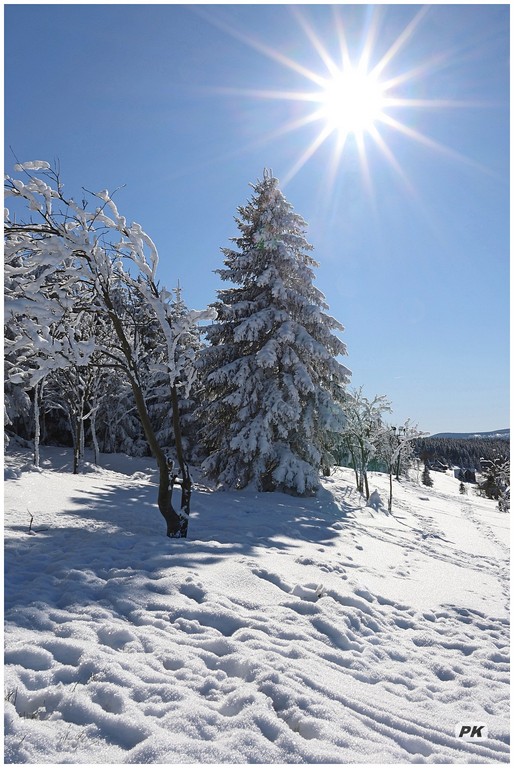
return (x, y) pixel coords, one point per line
(174, 522)
(38, 390)
(76, 445)
(74, 438)
(364, 481)
(366, 484)
(185, 501)
(94, 438)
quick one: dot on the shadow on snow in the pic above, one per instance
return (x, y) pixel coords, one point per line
(121, 529)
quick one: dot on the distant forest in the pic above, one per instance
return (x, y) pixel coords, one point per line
(466, 453)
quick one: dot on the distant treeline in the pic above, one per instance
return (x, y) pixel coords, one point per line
(466, 453)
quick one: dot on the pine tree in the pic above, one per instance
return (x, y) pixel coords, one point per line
(270, 375)
(425, 477)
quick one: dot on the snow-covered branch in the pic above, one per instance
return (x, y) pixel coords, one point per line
(68, 261)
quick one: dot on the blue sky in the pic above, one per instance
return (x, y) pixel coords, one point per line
(185, 105)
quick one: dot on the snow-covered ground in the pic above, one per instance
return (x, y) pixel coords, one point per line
(283, 630)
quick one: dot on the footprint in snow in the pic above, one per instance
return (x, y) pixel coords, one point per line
(311, 592)
(194, 591)
(273, 578)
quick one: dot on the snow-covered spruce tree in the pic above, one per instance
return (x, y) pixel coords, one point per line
(496, 482)
(270, 375)
(426, 479)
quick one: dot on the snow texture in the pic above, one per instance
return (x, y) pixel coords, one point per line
(283, 630)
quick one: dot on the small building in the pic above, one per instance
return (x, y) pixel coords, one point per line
(465, 475)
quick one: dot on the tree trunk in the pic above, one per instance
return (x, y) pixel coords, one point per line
(82, 438)
(38, 391)
(173, 520)
(185, 501)
(76, 445)
(174, 527)
(364, 475)
(94, 438)
(74, 437)
(366, 485)
(390, 503)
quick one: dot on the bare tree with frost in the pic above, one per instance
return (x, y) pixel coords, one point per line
(187, 351)
(45, 332)
(66, 259)
(270, 375)
(395, 449)
(363, 432)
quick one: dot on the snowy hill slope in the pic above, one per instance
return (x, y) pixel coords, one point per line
(283, 630)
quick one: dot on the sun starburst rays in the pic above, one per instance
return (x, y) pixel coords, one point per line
(400, 41)
(352, 98)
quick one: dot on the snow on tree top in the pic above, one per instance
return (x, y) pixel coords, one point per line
(32, 165)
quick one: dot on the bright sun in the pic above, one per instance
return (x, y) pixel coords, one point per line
(352, 98)
(352, 101)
